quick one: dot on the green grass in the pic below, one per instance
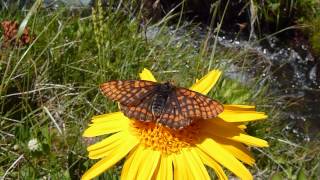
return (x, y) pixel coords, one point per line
(49, 91)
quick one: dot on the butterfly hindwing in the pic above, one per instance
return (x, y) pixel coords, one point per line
(128, 92)
(172, 115)
(197, 106)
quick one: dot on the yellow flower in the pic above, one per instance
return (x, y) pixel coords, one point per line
(156, 152)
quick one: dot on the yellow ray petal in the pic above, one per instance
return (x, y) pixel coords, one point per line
(180, 171)
(224, 124)
(237, 149)
(165, 170)
(240, 125)
(236, 107)
(220, 128)
(249, 140)
(230, 131)
(108, 140)
(148, 164)
(115, 155)
(105, 151)
(115, 137)
(107, 127)
(190, 168)
(123, 141)
(197, 168)
(137, 157)
(206, 159)
(128, 164)
(110, 116)
(226, 159)
(205, 84)
(147, 75)
(241, 116)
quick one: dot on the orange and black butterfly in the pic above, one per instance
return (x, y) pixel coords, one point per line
(162, 103)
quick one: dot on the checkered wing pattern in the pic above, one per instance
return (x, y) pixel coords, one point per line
(197, 106)
(128, 92)
(173, 116)
(142, 111)
(184, 106)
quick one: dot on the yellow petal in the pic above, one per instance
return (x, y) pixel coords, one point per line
(230, 131)
(236, 107)
(105, 151)
(213, 149)
(128, 164)
(223, 124)
(148, 164)
(97, 151)
(206, 159)
(147, 75)
(134, 166)
(241, 116)
(141, 164)
(196, 166)
(237, 149)
(115, 155)
(181, 171)
(106, 127)
(107, 141)
(110, 116)
(249, 140)
(165, 170)
(205, 84)
(191, 168)
(220, 128)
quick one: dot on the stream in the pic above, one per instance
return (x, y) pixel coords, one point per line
(294, 78)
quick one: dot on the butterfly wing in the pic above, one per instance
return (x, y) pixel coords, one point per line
(197, 106)
(128, 92)
(172, 115)
(142, 111)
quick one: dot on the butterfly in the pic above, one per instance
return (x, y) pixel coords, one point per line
(163, 103)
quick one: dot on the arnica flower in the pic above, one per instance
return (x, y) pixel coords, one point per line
(153, 151)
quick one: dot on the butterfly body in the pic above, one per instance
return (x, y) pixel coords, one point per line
(162, 103)
(160, 98)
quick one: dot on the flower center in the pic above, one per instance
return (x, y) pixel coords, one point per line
(164, 139)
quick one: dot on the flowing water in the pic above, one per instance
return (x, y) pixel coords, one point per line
(295, 78)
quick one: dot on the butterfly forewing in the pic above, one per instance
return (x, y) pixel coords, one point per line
(141, 112)
(129, 92)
